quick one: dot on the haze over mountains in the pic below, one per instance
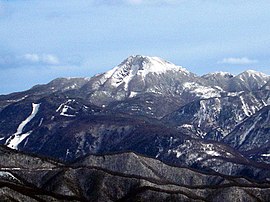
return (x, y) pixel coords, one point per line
(147, 112)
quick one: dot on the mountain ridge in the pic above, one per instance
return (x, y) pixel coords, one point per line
(204, 123)
(58, 184)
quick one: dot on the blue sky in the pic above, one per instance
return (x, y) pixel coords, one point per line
(42, 40)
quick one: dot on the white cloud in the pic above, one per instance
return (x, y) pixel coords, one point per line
(237, 61)
(11, 60)
(43, 58)
(31, 57)
(50, 59)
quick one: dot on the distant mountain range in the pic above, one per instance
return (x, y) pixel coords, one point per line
(138, 117)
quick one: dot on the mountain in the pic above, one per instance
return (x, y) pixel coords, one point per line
(249, 80)
(140, 73)
(220, 79)
(219, 120)
(266, 86)
(81, 128)
(142, 76)
(252, 136)
(215, 123)
(118, 177)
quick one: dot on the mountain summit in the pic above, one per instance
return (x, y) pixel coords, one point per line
(140, 66)
(249, 80)
(138, 75)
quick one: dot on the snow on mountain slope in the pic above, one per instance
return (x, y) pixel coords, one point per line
(214, 118)
(64, 107)
(140, 66)
(4, 175)
(14, 140)
(252, 74)
(249, 80)
(124, 109)
(216, 78)
(138, 75)
(219, 74)
(201, 90)
(251, 137)
(266, 86)
(219, 79)
(61, 84)
(253, 133)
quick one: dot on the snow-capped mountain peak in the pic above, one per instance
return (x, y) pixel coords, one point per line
(146, 64)
(251, 80)
(138, 65)
(252, 74)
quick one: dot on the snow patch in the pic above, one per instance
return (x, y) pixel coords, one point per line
(14, 140)
(245, 107)
(234, 94)
(266, 155)
(244, 135)
(200, 158)
(202, 113)
(212, 153)
(149, 102)
(175, 151)
(20, 99)
(65, 108)
(67, 153)
(40, 123)
(264, 103)
(187, 126)
(133, 94)
(210, 150)
(220, 73)
(5, 174)
(202, 91)
(73, 86)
